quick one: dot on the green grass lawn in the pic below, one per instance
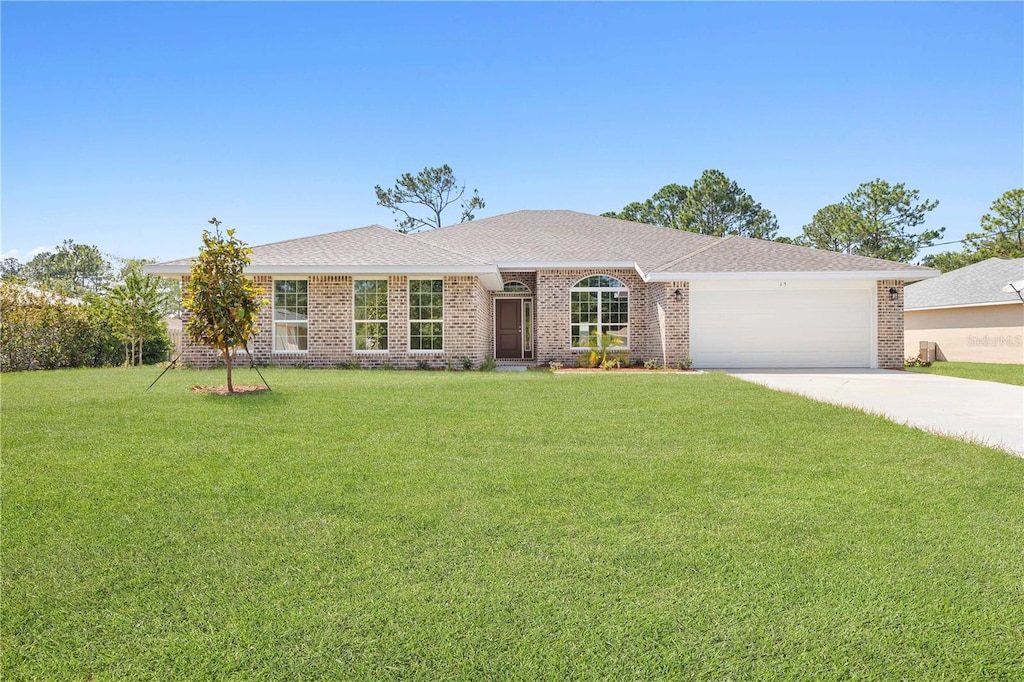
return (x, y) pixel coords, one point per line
(985, 371)
(432, 525)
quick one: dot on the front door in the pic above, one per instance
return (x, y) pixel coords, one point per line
(508, 328)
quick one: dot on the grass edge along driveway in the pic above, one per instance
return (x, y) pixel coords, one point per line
(430, 525)
(981, 371)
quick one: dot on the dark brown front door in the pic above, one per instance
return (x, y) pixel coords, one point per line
(508, 328)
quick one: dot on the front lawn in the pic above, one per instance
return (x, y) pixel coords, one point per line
(433, 525)
(985, 371)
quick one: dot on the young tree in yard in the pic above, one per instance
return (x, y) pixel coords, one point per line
(221, 301)
(435, 189)
(136, 312)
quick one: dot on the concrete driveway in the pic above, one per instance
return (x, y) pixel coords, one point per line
(980, 411)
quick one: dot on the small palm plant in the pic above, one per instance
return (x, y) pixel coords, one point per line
(601, 344)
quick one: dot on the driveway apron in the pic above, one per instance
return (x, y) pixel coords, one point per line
(979, 411)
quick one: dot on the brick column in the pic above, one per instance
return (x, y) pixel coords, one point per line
(669, 321)
(330, 320)
(890, 324)
(398, 319)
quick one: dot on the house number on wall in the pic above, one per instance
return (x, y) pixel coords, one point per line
(782, 284)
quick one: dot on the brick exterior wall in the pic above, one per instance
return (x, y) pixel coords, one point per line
(552, 315)
(331, 332)
(658, 326)
(890, 324)
(669, 320)
(530, 280)
(466, 319)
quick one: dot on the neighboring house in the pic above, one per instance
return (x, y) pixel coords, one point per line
(46, 294)
(967, 314)
(175, 332)
(534, 286)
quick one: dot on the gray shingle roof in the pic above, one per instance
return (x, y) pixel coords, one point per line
(742, 254)
(370, 246)
(555, 238)
(565, 236)
(561, 236)
(975, 284)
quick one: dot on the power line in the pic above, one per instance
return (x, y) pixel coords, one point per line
(960, 241)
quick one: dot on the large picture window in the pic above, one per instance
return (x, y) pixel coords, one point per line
(599, 305)
(291, 315)
(371, 314)
(426, 314)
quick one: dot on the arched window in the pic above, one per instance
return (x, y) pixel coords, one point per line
(514, 287)
(599, 305)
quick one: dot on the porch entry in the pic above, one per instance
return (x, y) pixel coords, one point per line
(513, 328)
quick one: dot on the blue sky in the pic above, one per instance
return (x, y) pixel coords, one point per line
(128, 125)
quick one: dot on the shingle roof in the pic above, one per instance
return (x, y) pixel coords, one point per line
(370, 246)
(555, 238)
(565, 236)
(742, 254)
(975, 284)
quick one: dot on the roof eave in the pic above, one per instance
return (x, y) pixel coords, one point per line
(950, 306)
(488, 274)
(567, 265)
(906, 275)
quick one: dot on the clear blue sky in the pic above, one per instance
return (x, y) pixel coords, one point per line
(128, 125)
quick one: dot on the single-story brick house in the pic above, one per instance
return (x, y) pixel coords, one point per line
(533, 286)
(967, 315)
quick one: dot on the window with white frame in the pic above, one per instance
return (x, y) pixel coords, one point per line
(599, 305)
(291, 315)
(515, 287)
(370, 299)
(426, 314)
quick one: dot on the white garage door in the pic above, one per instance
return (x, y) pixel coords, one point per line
(781, 324)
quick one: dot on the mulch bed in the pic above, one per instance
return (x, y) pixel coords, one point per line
(623, 370)
(223, 390)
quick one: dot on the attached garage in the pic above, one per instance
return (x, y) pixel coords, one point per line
(773, 323)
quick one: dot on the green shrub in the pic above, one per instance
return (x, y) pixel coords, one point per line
(42, 330)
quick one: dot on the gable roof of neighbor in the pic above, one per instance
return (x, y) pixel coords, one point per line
(978, 284)
(551, 239)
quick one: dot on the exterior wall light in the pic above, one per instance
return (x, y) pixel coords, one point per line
(678, 295)
(893, 294)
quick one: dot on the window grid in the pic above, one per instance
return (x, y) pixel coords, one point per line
(291, 315)
(370, 313)
(515, 287)
(426, 314)
(599, 304)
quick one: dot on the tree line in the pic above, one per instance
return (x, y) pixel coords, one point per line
(877, 219)
(73, 307)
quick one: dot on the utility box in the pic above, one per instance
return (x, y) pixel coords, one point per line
(927, 351)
